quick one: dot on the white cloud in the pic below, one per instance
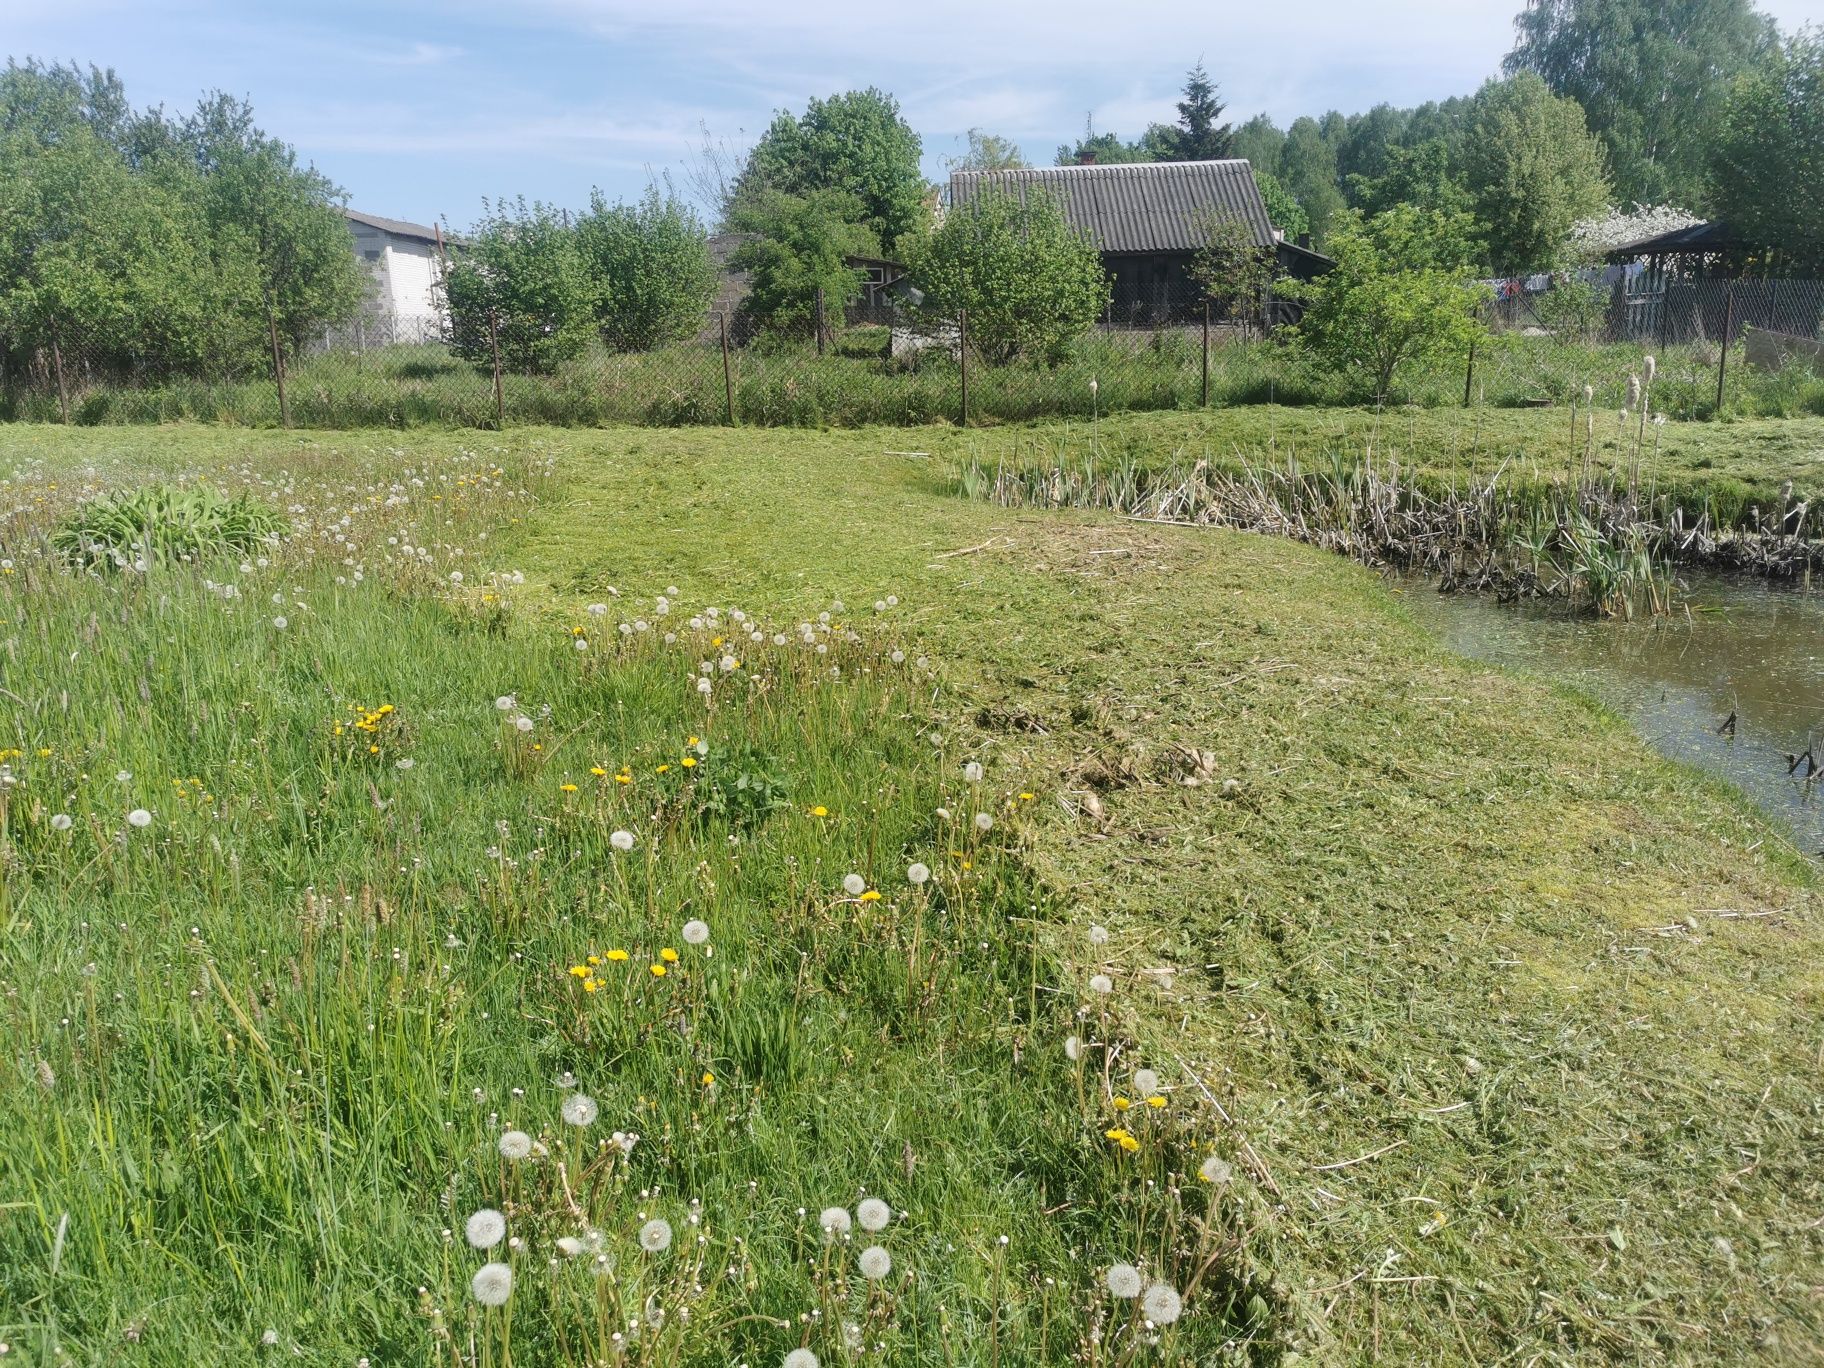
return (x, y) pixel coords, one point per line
(417, 54)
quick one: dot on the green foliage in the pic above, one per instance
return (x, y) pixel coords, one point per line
(1421, 175)
(649, 267)
(1104, 149)
(989, 152)
(1198, 136)
(1284, 211)
(1030, 282)
(1233, 270)
(522, 279)
(1398, 296)
(1533, 169)
(802, 247)
(746, 787)
(157, 245)
(855, 144)
(155, 524)
(1652, 77)
(1767, 167)
(1307, 165)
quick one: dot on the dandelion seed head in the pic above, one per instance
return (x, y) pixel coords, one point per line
(139, 817)
(485, 1229)
(1098, 935)
(1101, 983)
(973, 772)
(800, 1358)
(873, 1214)
(983, 821)
(1146, 1082)
(1215, 1170)
(696, 932)
(515, 1144)
(655, 1236)
(492, 1284)
(854, 885)
(917, 873)
(834, 1220)
(62, 821)
(1161, 1305)
(1123, 1281)
(621, 840)
(1073, 1049)
(579, 1109)
(875, 1263)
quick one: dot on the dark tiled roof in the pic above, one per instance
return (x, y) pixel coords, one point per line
(1696, 237)
(397, 227)
(1144, 207)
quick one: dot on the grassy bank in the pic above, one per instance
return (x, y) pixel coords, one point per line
(1505, 1029)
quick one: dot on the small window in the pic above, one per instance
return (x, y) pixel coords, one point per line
(372, 254)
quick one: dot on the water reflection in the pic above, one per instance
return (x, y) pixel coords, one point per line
(1746, 648)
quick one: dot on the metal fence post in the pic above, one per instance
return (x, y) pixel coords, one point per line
(500, 398)
(1206, 353)
(278, 365)
(1469, 375)
(63, 392)
(728, 374)
(1722, 361)
(962, 358)
(820, 320)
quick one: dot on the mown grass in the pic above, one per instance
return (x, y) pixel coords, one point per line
(856, 383)
(1507, 1027)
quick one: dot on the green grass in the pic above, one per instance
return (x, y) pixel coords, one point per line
(855, 383)
(1426, 955)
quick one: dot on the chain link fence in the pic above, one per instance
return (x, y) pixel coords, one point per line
(1748, 346)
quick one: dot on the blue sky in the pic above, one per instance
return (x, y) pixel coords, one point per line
(421, 109)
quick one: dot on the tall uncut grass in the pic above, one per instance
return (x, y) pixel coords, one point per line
(855, 384)
(399, 968)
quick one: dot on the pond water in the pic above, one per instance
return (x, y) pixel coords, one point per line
(1746, 647)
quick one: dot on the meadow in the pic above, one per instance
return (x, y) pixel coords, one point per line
(702, 897)
(853, 383)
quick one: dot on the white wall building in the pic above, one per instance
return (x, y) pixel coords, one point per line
(404, 260)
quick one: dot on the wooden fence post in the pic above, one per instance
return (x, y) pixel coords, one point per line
(1206, 353)
(962, 357)
(728, 374)
(1722, 361)
(500, 398)
(278, 364)
(63, 391)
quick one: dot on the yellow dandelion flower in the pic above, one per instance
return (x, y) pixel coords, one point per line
(595, 959)
(1122, 1104)
(1155, 1102)
(623, 778)
(690, 740)
(1027, 797)
(590, 985)
(661, 769)
(689, 762)
(598, 771)
(1129, 1144)
(669, 955)
(820, 811)
(658, 971)
(709, 1080)
(568, 788)
(617, 956)
(579, 970)
(870, 896)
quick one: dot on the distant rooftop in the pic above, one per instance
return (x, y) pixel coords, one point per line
(396, 227)
(1138, 207)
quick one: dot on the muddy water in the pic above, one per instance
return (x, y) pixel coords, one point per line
(1745, 648)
